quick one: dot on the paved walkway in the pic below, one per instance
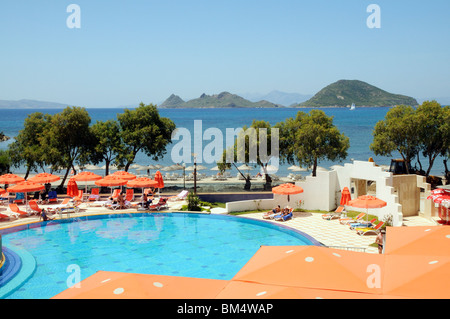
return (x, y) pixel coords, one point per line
(328, 232)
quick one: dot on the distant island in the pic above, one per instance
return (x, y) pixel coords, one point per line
(30, 104)
(346, 92)
(342, 93)
(222, 100)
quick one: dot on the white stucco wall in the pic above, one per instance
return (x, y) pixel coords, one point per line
(323, 192)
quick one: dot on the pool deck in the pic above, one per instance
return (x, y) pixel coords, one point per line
(327, 232)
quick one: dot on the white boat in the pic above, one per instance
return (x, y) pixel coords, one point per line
(352, 107)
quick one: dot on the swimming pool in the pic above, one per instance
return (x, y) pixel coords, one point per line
(175, 244)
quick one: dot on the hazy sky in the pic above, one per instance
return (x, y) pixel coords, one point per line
(130, 51)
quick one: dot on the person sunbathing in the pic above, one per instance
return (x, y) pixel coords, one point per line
(272, 213)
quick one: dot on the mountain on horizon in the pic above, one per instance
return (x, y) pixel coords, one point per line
(346, 92)
(30, 104)
(221, 100)
(278, 97)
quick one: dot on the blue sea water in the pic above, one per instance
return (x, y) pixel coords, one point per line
(357, 125)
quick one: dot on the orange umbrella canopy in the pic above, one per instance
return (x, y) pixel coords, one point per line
(418, 240)
(159, 179)
(124, 175)
(10, 179)
(25, 187)
(142, 182)
(44, 178)
(310, 267)
(86, 176)
(367, 201)
(110, 181)
(287, 189)
(345, 196)
(116, 285)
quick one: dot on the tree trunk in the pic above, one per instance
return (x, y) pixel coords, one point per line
(61, 186)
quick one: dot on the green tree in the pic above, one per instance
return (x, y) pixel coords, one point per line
(27, 148)
(142, 129)
(428, 122)
(311, 138)
(397, 132)
(107, 144)
(5, 161)
(67, 138)
(253, 145)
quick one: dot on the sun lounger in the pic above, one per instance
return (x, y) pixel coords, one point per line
(5, 216)
(369, 230)
(16, 211)
(362, 224)
(336, 214)
(129, 196)
(95, 194)
(34, 208)
(19, 199)
(4, 198)
(181, 196)
(347, 220)
(162, 204)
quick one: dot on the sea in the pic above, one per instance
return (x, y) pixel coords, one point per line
(357, 124)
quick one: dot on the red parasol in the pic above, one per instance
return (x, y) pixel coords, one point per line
(159, 179)
(86, 176)
(72, 188)
(345, 196)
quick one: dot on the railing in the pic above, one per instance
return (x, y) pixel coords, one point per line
(360, 249)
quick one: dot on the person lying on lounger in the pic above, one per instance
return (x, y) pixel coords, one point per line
(272, 213)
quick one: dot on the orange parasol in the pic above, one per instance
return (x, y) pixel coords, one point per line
(11, 179)
(86, 176)
(345, 196)
(124, 175)
(44, 178)
(116, 285)
(367, 201)
(418, 240)
(287, 189)
(311, 267)
(111, 181)
(142, 182)
(25, 187)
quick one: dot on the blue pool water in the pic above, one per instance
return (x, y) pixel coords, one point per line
(177, 244)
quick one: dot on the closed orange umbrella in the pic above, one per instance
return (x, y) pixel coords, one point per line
(44, 178)
(159, 179)
(72, 188)
(345, 196)
(124, 175)
(287, 189)
(11, 179)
